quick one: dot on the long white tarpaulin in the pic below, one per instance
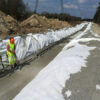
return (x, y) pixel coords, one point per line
(33, 42)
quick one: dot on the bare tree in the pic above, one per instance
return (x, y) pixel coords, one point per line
(36, 6)
(15, 8)
(61, 4)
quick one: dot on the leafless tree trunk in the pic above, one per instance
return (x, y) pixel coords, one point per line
(15, 8)
(36, 6)
(61, 4)
(3, 5)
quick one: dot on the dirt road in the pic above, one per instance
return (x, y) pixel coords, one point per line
(11, 85)
(83, 84)
(86, 82)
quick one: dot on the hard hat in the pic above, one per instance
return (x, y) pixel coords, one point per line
(12, 40)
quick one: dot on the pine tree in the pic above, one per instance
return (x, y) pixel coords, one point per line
(97, 15)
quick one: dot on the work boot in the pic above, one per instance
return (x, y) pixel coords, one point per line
(16, 66)
(12, 68)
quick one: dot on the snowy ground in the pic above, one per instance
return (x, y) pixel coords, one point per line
(49, 83)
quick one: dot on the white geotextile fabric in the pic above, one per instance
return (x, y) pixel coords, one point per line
(32, 43)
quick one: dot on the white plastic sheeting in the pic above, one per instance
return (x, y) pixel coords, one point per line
(32, 43)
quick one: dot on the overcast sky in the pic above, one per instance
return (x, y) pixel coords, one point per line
(81, 8)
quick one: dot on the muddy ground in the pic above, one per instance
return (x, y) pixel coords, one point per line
(96, 28)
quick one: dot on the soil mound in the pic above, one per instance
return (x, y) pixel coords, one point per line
(7, 24)
(34, 24)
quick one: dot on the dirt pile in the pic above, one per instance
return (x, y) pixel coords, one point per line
(34, 24)
(7, 23)
(37, 23)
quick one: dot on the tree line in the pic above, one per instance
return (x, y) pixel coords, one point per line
(15, 8)
(18, 10)
(61, 16)
(97, 15)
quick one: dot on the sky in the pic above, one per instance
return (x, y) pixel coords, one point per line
(80, 8)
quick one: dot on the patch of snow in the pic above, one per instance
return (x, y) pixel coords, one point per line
(98, 87)
(81, 40)
(48, 84)
(82, 34)
(85, 31)
(68, 93)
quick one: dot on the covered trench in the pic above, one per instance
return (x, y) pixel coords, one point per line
(29, 44)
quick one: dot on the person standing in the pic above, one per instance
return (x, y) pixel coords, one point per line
(11, 53)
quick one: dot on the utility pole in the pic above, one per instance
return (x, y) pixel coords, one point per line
(36, 6)
(61, 4)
